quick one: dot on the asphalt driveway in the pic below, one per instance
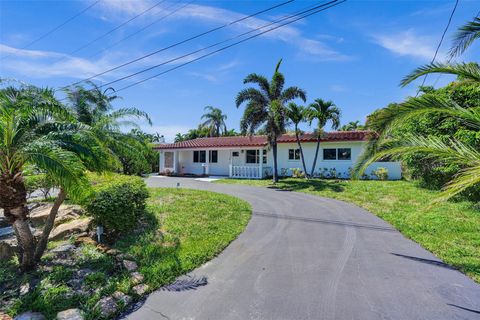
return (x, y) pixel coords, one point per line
(306, 257)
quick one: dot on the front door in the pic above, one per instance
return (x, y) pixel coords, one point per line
(168, 160)
(236, 158)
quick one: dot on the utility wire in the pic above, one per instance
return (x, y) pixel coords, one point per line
(57, 27)
(179, 43)
(114, 29)
(145, 27)
(287, 17)
(330, 4)
(439, 44)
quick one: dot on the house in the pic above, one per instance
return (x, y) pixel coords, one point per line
(250, 156)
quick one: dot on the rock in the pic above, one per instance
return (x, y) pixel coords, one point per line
(82, 273)
(120, 296)
(67, 229)
(107, 306)
(70, 314)
(136, 277)
(6, 251)
(123, 256)
(30, 316)
(102, 247)
(113, 252)
(85, 240)
(4, 316)
(39, 215)
(130, 265)
(24, 289)
(140, 289)
(64, 248)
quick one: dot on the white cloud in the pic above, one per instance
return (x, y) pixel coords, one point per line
(407, 43)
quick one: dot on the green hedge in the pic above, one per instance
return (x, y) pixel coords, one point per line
(117, 202)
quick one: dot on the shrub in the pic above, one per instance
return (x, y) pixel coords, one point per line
(380, 173)
(39, 182)
(117, 202)
(297, 173)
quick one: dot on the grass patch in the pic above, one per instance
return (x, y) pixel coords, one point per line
(450, 230)
(186, 229)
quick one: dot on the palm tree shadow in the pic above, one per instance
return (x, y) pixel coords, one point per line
(427, 261)
(311, 184)
(463, 308)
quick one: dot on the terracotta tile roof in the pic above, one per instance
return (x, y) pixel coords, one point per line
(259, 141)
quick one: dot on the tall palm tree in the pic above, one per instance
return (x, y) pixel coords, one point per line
(215, 121)
(93, 107)
(352, 126)
(35, 129)
(296, 114)
(265, 106)
(322, 111)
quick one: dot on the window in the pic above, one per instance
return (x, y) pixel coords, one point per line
(199, 156)
(344, 154)
(252, 156)
(329, 154)
(337, 154)
(235, 154)
(293, 154)
(213, 155)
(264, 156)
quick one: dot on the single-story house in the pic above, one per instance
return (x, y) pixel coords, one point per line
(251, 157)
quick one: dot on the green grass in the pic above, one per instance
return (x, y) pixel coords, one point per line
(450, 230)
(182, 229)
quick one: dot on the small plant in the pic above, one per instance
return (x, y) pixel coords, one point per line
(381, 173)
(284, 172)
(332, 173)
(297, 173)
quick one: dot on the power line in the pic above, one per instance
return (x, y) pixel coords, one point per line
(331, 4)
(145, 27)
(179, 43)
(114, 29)
(58, 27)
(440, 43)
(287, 17)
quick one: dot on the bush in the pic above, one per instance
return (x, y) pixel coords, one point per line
(117, 202)
(38, 182)
(297, 173)
(381, 173)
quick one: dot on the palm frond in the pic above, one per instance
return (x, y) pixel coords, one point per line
(465, 71)
(465, 36)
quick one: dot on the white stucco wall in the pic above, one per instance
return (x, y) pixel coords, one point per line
(186, 165)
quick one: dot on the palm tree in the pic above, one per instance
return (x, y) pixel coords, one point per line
(322, 111)
(215, 121)
(383, 146)
(93, 107)
(35, 129)
(352, 126)
(296, 114)
(265, 107)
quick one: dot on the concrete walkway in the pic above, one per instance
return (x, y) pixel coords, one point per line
(306, 257)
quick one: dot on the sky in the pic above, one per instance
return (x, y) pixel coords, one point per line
(354, 54)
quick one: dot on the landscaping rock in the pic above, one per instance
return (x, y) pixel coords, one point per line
(113, 252)
(30, 316)
(103, 248)
(107, 306)
(120, 296)
(70, 314)
(4, 316)
(39, 215)
(130, 265)
(64, 248)
(67, 229)
(136, 277)
(140, 289)
(24, 289)
(85, 240)
(124, 256)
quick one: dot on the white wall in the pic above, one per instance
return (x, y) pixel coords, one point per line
(186, 164)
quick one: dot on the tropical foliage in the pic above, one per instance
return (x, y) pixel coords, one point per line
(297, 114)
(266, 107)
(458, 151)
(214, 121)
(352, 126)
(322, 112)
(36, 130)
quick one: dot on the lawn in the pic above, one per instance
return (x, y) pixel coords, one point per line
(182, 229)
(450, 230)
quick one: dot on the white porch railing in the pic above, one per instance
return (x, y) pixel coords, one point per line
(248, 172)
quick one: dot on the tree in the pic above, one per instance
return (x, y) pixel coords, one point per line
(450, 150)
(93, 107)
(322, 111)
(265, 106)
(296, 114)
(36, 130)
(215, 121)
(352, 126)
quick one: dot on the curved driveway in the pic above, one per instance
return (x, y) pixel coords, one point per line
(307, 257)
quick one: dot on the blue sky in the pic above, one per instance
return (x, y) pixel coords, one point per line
(354, 54)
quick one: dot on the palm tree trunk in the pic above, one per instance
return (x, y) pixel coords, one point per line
(24, 235)
(316, 156)
(42, 243)
(275, 164)
(301, 153)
